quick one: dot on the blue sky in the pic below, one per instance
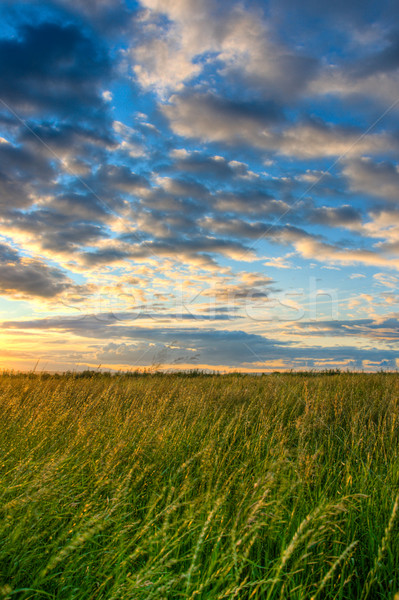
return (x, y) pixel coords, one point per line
(199, 184)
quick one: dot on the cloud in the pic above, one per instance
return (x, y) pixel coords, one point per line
(262, 52)
(200, 251)
(387, 280)
(120, 178)
(340, 216)
(48, 66)
(384, 61)
(252, 287)
(214, 119)
(161, 64)
(318, 139)
(279, 262)
(131, 143)
(25, 277)
(161, 225)
(59, 228)
(249, 202)
(237, 228)
(139, 345)
(208, 167)
(211, 345)
(380, 89)
(372, 73)
(383, 328)
(315, 249)
(372, 178)
(21, 165)
(183, 187)
(347, 13)
(72, 148)
(111, 17)
(253, 57)
(235, 38)
(14, 193)
(381, 225)
(75, 208)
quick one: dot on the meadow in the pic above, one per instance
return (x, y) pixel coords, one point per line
(201, 487)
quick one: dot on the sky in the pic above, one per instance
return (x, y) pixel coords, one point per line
(199, 184)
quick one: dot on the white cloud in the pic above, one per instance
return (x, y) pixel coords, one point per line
(107, 95)
(198, 32)
(161, 64)
(279, 262)
(387, 280)
(382, 87)
(212, 119)
(311, 248)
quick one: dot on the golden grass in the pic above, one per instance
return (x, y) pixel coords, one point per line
(200, 487)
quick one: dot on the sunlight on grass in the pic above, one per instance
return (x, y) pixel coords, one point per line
(199, 487)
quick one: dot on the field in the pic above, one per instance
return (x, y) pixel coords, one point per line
(139, 487)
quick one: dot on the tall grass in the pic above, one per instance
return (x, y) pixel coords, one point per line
(203, 488)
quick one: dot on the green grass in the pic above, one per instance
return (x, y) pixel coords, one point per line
(207, 487)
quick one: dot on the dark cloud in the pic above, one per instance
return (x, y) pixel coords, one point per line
(185, 188)
(384, 328)
(236, 348)
(249, 202)
(379, 179)
(27, 278)
(110, 17)
(78, 207)
(384, 61)
(22, 164)
(330, 28)
(107, 256)
(187, 313)
(13, 194)
(56, 231)
(53, 67)
(209, 167)
(245, 292)
(24, 175)
(354, 10)
(74, 149)
(197, 250)
(335, 216)
(164, 225)
(237, 228)
(162, 201)
(120, 178)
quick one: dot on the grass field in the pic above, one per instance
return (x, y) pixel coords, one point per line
(199, 487)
